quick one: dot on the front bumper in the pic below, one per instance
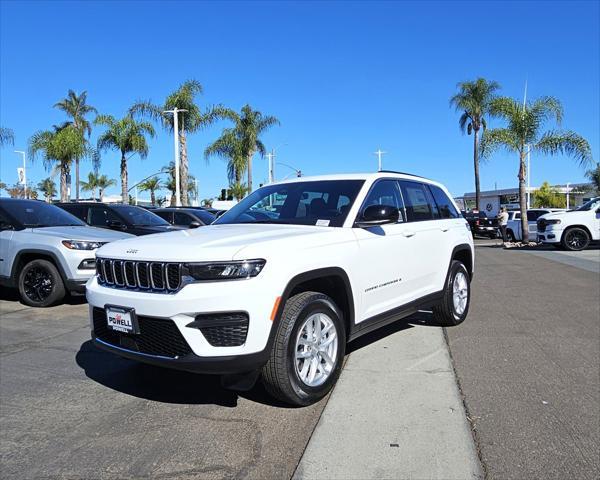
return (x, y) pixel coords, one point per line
(182, 308)
(549, 236)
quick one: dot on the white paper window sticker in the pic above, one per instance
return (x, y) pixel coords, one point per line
(322, 223)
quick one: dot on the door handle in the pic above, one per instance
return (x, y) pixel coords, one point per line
(444, 229)
(408, 233)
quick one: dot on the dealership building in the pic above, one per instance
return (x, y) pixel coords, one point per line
(491, 201)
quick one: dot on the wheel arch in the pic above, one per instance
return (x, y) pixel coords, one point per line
(570, 227)
(27, 255)
(464, 254)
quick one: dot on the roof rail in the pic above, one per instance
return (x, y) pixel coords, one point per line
(401, 173)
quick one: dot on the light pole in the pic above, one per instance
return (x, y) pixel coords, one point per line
(379, 153)
(175, 112)
(270, 156)
(528, 176)
(568, 191)
(24, 173)
(298, 172)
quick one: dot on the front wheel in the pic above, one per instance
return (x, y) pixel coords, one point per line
(307, 355)
(575, 239)
(453, 308)
(510, 235)
(40, 284)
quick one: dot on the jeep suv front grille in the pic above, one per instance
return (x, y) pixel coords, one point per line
(160, 277)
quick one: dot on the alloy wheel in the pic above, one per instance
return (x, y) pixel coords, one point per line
(460, 293)
(38, 284)
(316, 349)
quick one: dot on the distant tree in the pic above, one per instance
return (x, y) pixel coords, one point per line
(169, 184)
(473, 100)
(16, 191)
(7, 137)
(2, 186)
(76, 107)
(525, 129)
(229, 147)
(207, 202)
(91, 185)
(128, 136)
(103, 182)
(548, 197)
(32, 193)
(249, 126)
(48, 188)
(594, 177)
(238, 190)
(193, 120)
(59, 147)
(152, 184)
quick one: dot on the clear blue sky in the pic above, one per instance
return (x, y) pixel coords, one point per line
(344, 78)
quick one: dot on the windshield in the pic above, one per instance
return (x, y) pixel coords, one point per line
(591, 205)
(323, 203)
(34, 214)
(138, 216)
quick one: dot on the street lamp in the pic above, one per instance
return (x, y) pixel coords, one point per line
(298, 172)
(379, 154)
(175, 112)
(24, 173)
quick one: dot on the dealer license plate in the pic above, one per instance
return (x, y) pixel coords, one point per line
(121, 319)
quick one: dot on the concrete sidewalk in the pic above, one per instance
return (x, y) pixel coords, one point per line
(396, 413)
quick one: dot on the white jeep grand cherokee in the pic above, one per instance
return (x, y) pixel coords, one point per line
(281, 282)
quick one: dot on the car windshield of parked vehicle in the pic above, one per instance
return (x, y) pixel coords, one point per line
(322, 203)
(206, 217)
(139, 217)
(587, 206)
(35, 214)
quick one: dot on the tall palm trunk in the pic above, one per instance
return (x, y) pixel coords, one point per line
(124, 196)
(152, 197)
(183, 169)
(523, 197)
(250, 155)
(64, 171)
(76, 179)
(94, 194)
(476, 167)
(101, 194)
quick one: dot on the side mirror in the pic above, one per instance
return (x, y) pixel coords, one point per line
(194, 224)
(378, 215)
(116, 224)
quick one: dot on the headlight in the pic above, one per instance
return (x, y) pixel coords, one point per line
(82, 245)
(198, 272)
(552, 222)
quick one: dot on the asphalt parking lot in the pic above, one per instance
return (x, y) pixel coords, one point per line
(527, 361)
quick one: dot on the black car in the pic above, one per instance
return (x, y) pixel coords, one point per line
(125, 218)
(481, 225)
(185, 217)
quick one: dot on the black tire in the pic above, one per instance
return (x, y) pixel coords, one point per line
(40, 284)
(575, 239)
(510, 235)
(280, 375)
(445, 313)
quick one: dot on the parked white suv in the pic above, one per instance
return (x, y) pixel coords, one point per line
(513, 227)
(573, 229)
(281, 282)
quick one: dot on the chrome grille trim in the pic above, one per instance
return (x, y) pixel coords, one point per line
(125, 274)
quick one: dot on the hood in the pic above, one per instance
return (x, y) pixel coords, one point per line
(156, 228)
(563, 214)
(82, 233)
(222, 242)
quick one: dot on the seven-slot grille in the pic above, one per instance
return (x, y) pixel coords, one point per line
(153, 276)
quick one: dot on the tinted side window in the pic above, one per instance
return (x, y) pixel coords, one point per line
(181, 218)
(168, 216)
(385, 192)
(444, 204)
(419, 202)
(101, 216)
(5, 223)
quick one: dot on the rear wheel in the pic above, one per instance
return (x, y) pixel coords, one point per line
(510, 235)
(453, 308)
(40, 284)
(575, 239)
(307, 355)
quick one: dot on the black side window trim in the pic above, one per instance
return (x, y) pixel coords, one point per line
(371, 188)
(427, 189)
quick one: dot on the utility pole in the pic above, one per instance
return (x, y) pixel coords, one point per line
(24, 173)
(379, 153)
(175, 112)
(270, 156)
(568, 191)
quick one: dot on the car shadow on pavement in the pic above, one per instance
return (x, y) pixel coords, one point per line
(422, 318)
(12, 295)
(162, 384)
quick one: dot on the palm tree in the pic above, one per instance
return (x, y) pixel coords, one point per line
(103, 182)
(594, 177)
(170, 183)
(7, 137)
(473, 100)
(153, 184)
(238, 190)
(76, 107)
(59, 147)
(48, 188)
(193, 120)
(2, 186)
(229, 147)
(524, 132)
(91, 185)
(129, 137)
(249, 126)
